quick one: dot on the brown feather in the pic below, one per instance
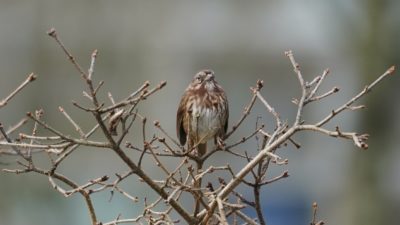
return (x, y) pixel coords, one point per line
(202, 113)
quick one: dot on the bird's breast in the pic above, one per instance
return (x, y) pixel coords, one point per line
(205, 122)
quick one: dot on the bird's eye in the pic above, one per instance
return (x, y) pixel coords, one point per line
(198, 79)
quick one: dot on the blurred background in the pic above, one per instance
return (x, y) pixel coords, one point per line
(241, 42)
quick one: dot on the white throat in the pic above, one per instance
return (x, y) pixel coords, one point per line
(210, 86)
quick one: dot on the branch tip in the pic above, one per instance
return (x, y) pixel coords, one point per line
(288, 53)
(52, 32)
(285, 174)
(364, 146)
(32, 77)
(104, 178)
(335, 89)
(163, 83)
(260, 84)
(94, 54)
(391, 69)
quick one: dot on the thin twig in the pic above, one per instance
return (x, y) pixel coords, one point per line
(83, 187)
(10, 143)
(319, 97)
(247, 109)
(52, 33)
(130, 101)
(270, 109)
(91, 68)
(296, 69)
(74, 141)
(355, 98)
(140, 89)
(358, 139)
(245, 218)
(318, 84)
(13, 128)
(76, 126)
(31, 77)
(281, 176)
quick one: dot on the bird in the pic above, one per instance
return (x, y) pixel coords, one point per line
(203, 113)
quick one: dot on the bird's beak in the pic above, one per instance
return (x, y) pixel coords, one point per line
(209, 77)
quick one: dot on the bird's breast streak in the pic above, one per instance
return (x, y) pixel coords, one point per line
(205, 121)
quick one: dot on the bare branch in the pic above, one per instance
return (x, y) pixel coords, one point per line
(245, 218)
(145, 85)
(91, 68)
(314, 217)
(247, 109)
(283, 175)
(52, 33)
(212, 205)
(77, 128)
(318, 84)
(355, 98)
(75, 141)
(31, 77)
(16, 126)
(359, 140)
(270, 109)
(316, 98)
(131, 100)
(9, 143)
(296, 69)
(222, 216)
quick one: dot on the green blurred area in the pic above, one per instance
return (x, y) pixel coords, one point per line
(241, 42)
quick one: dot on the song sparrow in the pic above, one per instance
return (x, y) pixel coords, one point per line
(203, 113)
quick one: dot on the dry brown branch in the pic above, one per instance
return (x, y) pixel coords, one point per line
(222, 217)
(270, 109)
(283, 175)
(53, 33)
(15, 127)
(318, 81)
(279, 137)
(314, 217)
(355, 98)
(31, 77)
(212, 203)
(76, 126)
(247, 110)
